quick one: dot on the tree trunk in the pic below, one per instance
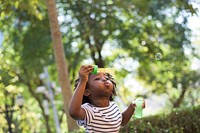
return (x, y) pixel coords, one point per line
(180, 99)
(60, 61)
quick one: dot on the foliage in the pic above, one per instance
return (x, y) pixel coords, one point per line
(24, 51)
(179, 120)
(118, 34)
(147, 32)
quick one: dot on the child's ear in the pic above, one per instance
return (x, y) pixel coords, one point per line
(87, 92)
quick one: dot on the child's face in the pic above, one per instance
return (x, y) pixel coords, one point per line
(99, 85)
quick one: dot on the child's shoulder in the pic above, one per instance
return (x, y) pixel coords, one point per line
(87, 105)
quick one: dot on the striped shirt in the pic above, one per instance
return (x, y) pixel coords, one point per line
(101, 119)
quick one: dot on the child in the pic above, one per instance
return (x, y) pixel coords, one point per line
(92, 103)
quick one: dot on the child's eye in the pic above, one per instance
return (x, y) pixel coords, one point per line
(97, 79)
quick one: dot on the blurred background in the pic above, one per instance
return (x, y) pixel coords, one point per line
(153, 46)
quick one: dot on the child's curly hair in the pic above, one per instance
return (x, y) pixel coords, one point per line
(86, 99)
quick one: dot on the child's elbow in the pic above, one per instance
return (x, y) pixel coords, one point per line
(73, 113)
(123, 124)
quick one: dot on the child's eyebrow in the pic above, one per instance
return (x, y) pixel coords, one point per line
(100, 75)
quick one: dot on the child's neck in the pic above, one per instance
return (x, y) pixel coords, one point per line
(101, 103)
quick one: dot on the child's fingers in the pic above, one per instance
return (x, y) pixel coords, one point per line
(143, 105)
(88, 69)
(134, 103)
(85, 70)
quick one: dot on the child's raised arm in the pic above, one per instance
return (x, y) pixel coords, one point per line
(75, 110)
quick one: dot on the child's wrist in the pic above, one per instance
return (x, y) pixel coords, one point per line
(83, 80)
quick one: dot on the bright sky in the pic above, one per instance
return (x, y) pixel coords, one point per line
(194, 24)
(1, 38)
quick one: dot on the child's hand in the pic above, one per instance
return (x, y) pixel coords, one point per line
(134, 104)
(143, 105)
(84, 72)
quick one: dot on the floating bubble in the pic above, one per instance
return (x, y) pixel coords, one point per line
(143, 43)
(158, 56)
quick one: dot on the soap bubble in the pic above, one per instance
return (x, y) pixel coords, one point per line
(158, 56)
(143, 43)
